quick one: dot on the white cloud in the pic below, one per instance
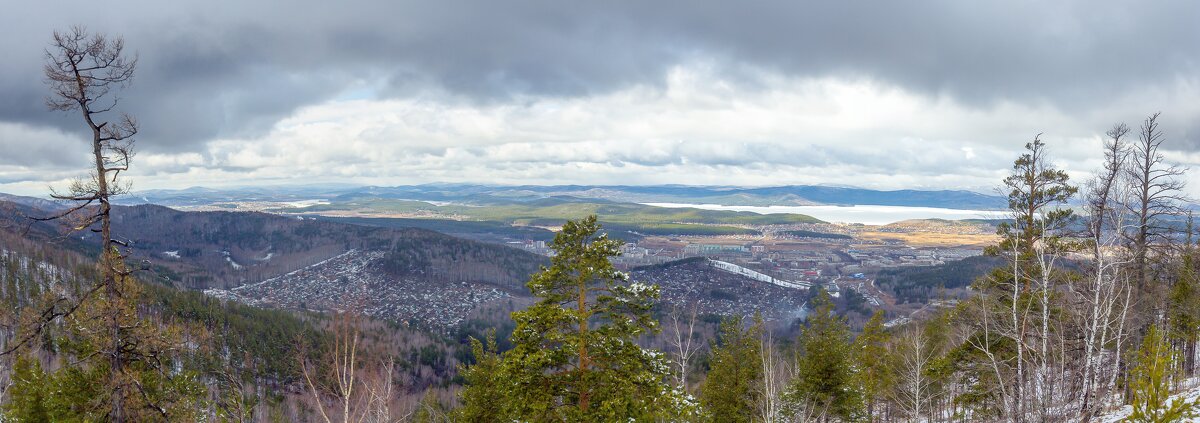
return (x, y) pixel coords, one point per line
(697, 129)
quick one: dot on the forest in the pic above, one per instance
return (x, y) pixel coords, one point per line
(1087, 308)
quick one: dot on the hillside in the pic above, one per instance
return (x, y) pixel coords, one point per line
(920, 284)
(415, 274)
(225, 338)
(713, 291)
(233, 248)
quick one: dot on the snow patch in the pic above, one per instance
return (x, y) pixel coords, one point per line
(739, 270)
(171, 254)
(1120, 414)
(305, 203)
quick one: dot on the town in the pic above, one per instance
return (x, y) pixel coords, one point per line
(833, 256)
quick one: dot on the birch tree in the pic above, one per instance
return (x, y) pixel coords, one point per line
(913, 356)
(1103, 298)
(683, 342)
(775, 377)
(339, 381)
(1014, 330)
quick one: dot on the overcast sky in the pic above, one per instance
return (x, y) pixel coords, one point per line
(889, 94)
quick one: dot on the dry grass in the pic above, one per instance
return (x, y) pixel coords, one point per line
(932, 239)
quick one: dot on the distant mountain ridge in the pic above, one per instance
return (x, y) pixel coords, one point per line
(789, 195)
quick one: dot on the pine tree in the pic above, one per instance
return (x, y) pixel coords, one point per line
(870, 348)
(483, 396)
(731, 390)
(1016, 300)
(1152, 383)
(826, 385)
(1184, 311)
(574, 355)
(149, 348)
(27, 400)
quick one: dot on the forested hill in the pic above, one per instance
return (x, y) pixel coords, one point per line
(226, 249)
(920, 284)
(414, 275)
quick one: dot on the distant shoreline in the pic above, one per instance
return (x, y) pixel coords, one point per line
(864, 214)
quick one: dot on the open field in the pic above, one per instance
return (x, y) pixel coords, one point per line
(931, 239)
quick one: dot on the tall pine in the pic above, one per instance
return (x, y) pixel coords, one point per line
(483, 395)
(731, 391)
(1184, 310)
(1151, 383)
(575, 356)
(874, 374)
(826, 385)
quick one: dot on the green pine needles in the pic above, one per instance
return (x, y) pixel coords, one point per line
(1156, 365)
(575, 356)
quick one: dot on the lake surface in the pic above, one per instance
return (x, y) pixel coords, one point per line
(870, 215)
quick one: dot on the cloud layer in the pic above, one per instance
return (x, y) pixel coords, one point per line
(891, 95)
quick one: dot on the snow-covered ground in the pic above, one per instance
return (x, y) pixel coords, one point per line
(340, 282)
(739, 270)
(1190, 395)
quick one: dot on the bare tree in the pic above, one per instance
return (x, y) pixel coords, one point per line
(82, 71)
(1102, 300)
(1156, 187)
(913, 392)
(379, 389)
(775, 377)
(340, 379)
(682, 340)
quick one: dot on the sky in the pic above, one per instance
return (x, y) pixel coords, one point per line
(884, 95)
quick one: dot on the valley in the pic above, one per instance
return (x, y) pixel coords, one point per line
(796, 249)
(310, 255)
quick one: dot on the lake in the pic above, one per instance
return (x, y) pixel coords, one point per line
(870, 215)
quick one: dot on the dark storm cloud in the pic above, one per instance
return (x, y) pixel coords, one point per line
(212, 69)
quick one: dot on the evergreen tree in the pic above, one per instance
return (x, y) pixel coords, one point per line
(483, 394)
(870, 348)
(27, 400)
(158, 391)
(574, 355)
(1184, 311)
(1152, 383)
(1017, 299)
(826, 384)
(731, 390)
